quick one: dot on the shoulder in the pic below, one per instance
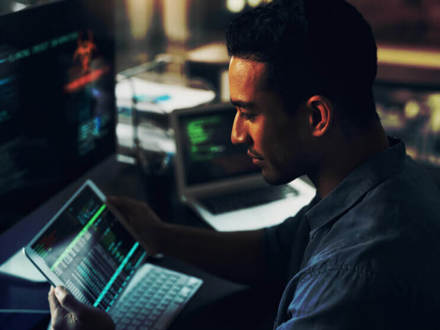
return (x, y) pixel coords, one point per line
(391, 232)
(376, 262)
(411, 190)
(399, 209)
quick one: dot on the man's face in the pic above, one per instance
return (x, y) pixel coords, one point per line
(275, 139)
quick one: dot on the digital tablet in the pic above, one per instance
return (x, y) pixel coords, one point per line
(85, 248)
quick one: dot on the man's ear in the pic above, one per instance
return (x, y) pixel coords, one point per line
(320, 114)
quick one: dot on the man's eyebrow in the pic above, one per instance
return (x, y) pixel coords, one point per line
(242, 104)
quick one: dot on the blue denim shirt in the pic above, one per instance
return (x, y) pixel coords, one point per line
(365, 257)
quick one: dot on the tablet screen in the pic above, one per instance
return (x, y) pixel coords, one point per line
(89, 250)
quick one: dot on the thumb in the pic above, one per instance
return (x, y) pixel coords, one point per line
(68, 301)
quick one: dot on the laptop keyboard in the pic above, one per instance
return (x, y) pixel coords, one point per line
(153, 298)
(247, 198)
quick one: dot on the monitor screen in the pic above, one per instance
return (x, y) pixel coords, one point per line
(208, 153)
(57, 104)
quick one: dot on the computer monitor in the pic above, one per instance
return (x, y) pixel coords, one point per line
(57, 102)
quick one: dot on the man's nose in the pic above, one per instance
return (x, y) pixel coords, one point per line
(239, 134)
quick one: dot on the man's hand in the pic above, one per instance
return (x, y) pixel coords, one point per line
(236, 255)
(141, 221)
(68, 313)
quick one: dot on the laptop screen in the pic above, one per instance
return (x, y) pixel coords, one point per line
(207, 152)
(89, 250)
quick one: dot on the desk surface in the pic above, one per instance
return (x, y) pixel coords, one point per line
(219, 304)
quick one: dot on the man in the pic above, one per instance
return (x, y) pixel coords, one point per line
(363, 254)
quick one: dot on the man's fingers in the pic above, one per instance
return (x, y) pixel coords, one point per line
(68, 301)
(56, 311)
(53, 302)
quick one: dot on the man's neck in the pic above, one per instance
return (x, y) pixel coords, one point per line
(345, 156)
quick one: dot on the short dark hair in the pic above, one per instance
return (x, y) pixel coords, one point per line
(312, 47)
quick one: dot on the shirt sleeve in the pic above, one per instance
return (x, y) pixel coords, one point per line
(342, 298)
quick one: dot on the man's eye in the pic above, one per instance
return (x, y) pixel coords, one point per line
(248, 116)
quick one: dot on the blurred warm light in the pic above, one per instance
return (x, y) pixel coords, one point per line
(434, 100)
(411, 152)
(175, 19)
(139, 13)
(412, 109)
(409, 57)
(215, 52)
(235, 6)
(254, 3)
(434, 104)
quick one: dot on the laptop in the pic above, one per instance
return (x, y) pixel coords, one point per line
(85, 248)
(218, 180)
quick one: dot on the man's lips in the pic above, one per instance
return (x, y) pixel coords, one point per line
(256, 159)
(254, 155)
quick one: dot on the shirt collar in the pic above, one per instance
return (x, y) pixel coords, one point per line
(357, 183)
